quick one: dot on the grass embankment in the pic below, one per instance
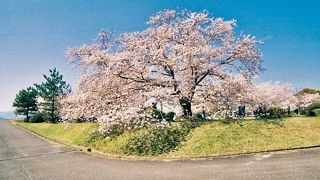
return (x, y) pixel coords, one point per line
(221, 139)
(66, 133)
(82, 134)
(209, 139)
(317, 111)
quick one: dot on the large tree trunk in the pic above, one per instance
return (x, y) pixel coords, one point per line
(52, 111)
(186, 106)
(27, 114)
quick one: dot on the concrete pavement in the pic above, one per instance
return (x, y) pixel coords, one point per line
(26, 156)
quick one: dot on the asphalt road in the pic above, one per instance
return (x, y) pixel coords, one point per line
(26, 156)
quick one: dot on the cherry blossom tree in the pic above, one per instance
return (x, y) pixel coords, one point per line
(228, 95)
(303, 100)
(171, 60)
(270, 94)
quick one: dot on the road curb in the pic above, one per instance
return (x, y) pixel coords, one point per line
(253, 153)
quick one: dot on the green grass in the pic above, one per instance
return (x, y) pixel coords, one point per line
(79, 134)
(67, 133)
(317, 111)
(221, 139)
(209, 139)
(114, 146)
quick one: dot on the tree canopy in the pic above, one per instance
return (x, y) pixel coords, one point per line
(179, 55)
(25, 102)
(50, 90)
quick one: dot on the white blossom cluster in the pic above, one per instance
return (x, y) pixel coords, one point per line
(226, 95)
(270, 94)
(141, 120)
(303, 100)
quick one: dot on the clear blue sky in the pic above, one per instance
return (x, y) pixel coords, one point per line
(34, 34)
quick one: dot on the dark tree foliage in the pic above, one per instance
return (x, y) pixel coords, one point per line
(26, 102)
(38, 118)
(307, 91)
(49, 91)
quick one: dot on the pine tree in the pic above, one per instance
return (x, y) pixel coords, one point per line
(49, 91)
(26, 102)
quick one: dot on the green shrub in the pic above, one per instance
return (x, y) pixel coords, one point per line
(187, 126)
(310, 113)
(170, 116)
(155, 141)
(38, 118)
(310, 109)
(276, 112)
(157, 114)
(93, 137)
(303, 111)
(158, 140)
(272, 113)
(25, 120)
(118, 128)
(317, 111)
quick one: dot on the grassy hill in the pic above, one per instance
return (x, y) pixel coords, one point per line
(308, 91)
(209, 139)
(219, 139)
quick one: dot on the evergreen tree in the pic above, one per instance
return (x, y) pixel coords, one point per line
(26, 102)
(49, 91)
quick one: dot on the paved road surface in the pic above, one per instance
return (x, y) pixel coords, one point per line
(26, 156)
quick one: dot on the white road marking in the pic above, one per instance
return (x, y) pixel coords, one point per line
(249, 163)
(261, 157)
(25, 169)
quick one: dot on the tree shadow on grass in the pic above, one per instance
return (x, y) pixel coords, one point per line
(274, 121)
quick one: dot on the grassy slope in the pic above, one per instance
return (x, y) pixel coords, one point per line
(78, 134)
(218, 139)
(317, 111)
(66, 133)
(213, 138)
